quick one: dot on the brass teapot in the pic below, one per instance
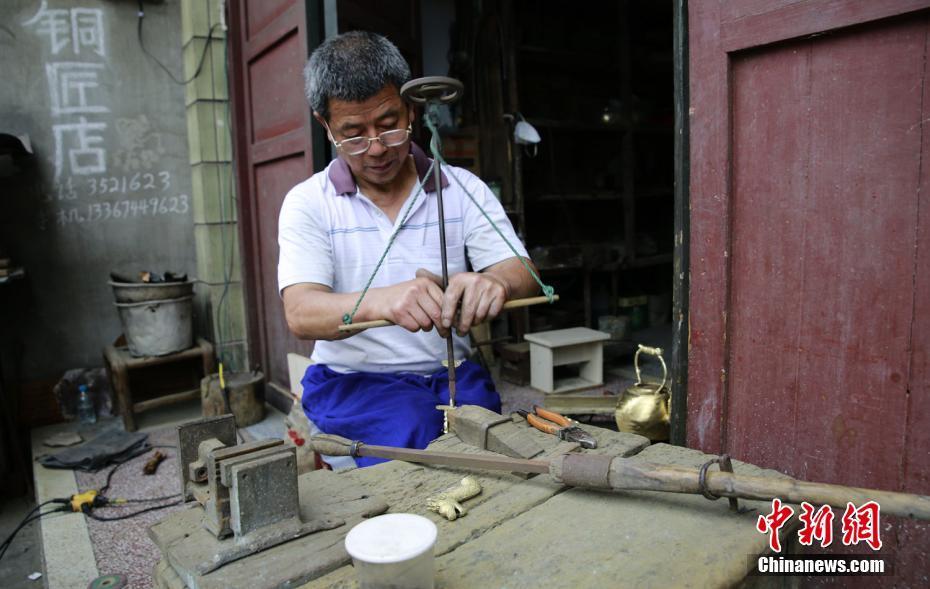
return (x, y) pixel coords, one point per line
(644, 408)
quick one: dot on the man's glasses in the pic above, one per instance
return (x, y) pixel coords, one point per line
(359, 145)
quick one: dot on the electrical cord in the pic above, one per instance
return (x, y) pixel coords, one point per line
(102, 500)
(25, 521)
(203, 55)
(92, 500)
(102, 490)
(121, 500)
(88, 511)
(31, 517)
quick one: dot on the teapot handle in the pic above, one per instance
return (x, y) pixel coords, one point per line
(657, 352)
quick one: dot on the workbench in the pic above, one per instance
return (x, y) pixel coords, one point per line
(530, 532)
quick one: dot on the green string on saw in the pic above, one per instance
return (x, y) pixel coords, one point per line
(434, 145)
(348, 317)
(547, 290)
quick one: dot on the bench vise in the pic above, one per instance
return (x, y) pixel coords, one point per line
(246, 490)
(246, 500)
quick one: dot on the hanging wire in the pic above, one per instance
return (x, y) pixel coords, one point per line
(348, 317)
(547, 290)
(227, 256)
(203, 55)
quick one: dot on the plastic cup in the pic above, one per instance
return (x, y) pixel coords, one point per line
(393, 551)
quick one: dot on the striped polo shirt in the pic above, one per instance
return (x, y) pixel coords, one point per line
(330, 233)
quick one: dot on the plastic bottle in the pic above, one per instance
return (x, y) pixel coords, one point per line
(85, 406)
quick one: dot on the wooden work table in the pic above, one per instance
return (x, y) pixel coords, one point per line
(532, 532)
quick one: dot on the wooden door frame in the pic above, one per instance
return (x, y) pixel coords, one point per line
(708, 364)
(259, 348)
(245, 208)
(681, 256)
(316, 34)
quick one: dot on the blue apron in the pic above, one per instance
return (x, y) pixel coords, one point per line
(390, 409)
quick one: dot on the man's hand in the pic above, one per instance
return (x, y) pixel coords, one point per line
(314, 311)
(414, 305)
(476, 296)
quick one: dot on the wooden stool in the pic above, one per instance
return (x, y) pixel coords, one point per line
(119, 363)
(515, 362)
(561, 347)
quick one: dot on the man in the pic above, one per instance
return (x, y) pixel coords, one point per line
(382, 385)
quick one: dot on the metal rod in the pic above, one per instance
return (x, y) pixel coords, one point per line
(455, 459)
(333, 445)
(450, 348)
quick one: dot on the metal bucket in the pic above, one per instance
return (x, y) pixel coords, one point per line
(138, 292)
(157, 328)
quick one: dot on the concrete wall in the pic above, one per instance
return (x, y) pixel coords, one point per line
(213, 197)
(111, 186)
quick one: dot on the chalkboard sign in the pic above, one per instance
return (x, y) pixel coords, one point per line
(111, 181)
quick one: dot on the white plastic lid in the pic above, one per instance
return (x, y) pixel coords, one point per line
(391, 538)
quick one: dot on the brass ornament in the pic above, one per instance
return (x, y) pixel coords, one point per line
(448, 503)
(644, 408)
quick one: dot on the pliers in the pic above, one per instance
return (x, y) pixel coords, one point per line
(558, 425)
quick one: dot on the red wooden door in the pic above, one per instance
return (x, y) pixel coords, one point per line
(810, 244)
(273, 153)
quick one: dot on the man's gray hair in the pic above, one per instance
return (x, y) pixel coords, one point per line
(352, 67)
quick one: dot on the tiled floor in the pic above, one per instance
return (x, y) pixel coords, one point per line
(70, 557)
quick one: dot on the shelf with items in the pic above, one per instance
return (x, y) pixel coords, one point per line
(650, 192)
(601, 177)
(661, 129)
(579, 196)
(576, 125)
(566, 57)
(598, 125)
(655, 191)
(590, 278)
(648, 261)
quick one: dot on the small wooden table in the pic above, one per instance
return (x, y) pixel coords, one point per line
(561, 347)
(119, 363)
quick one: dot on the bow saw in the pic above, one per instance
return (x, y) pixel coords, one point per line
(434, 91)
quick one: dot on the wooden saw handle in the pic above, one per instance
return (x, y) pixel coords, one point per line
(514, 304)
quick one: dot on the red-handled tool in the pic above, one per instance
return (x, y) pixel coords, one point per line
(558, 425)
